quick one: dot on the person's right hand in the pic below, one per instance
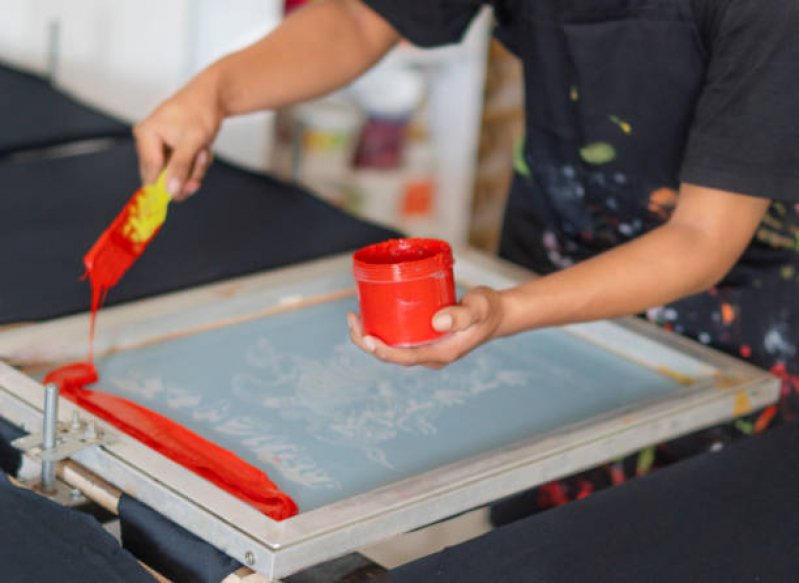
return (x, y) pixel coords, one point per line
(178, 135)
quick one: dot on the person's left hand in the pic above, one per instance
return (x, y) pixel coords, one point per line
(471, 323)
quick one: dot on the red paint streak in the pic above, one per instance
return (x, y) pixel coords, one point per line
(586, 488)
(616, 472)
(555, 494)
(172, 440)
(790, 382)
(552, 495)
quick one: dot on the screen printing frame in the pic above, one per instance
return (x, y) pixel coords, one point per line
(716, 388)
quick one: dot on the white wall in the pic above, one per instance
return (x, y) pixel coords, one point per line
(24, 32)
(126, 56)
(218, 31)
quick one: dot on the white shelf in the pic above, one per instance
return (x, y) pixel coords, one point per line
(456, 101)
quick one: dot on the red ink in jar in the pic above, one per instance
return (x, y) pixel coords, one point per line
(402, 283)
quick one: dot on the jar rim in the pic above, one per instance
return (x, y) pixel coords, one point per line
(399, 260)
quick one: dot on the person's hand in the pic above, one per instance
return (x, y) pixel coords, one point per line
(473, 322)
(178, 135)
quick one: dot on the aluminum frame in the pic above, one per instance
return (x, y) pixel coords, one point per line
(720, 388)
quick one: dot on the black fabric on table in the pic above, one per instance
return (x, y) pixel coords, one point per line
(168, 548)
(352, 568)
(33, 114)
(10, 457)
(43, 541)
(728, 516)
(53, 210)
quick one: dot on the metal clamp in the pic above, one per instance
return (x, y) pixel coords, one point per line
(58, 441)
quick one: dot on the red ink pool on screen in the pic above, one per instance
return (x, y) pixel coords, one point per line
(74, 376)
(585, 489)
(172, 440)
(402, 283)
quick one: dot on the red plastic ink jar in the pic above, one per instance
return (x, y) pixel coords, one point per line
(402, 283)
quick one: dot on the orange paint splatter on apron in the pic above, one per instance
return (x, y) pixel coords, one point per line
(662, 202)
(727, 314)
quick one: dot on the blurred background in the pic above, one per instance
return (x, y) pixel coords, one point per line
(423, 143)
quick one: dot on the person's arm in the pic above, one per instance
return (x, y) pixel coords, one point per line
(703, 239)
(317, 49)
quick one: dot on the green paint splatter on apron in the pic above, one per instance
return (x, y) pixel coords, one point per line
(646, 459)
(598, 153)
(745, 427)
(519, 163)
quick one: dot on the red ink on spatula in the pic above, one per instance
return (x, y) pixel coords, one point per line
(113, 254)
(124, 241)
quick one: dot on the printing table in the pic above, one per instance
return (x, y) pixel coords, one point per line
(34, 114)
(726, 516)
(262, 365)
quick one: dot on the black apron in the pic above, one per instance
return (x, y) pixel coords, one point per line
(611, 87)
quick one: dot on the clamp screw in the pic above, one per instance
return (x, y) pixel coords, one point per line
(91, 430)
(49, 430)
(249, 558)
(75, 423)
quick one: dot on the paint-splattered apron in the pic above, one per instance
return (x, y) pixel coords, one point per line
(611, 88)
